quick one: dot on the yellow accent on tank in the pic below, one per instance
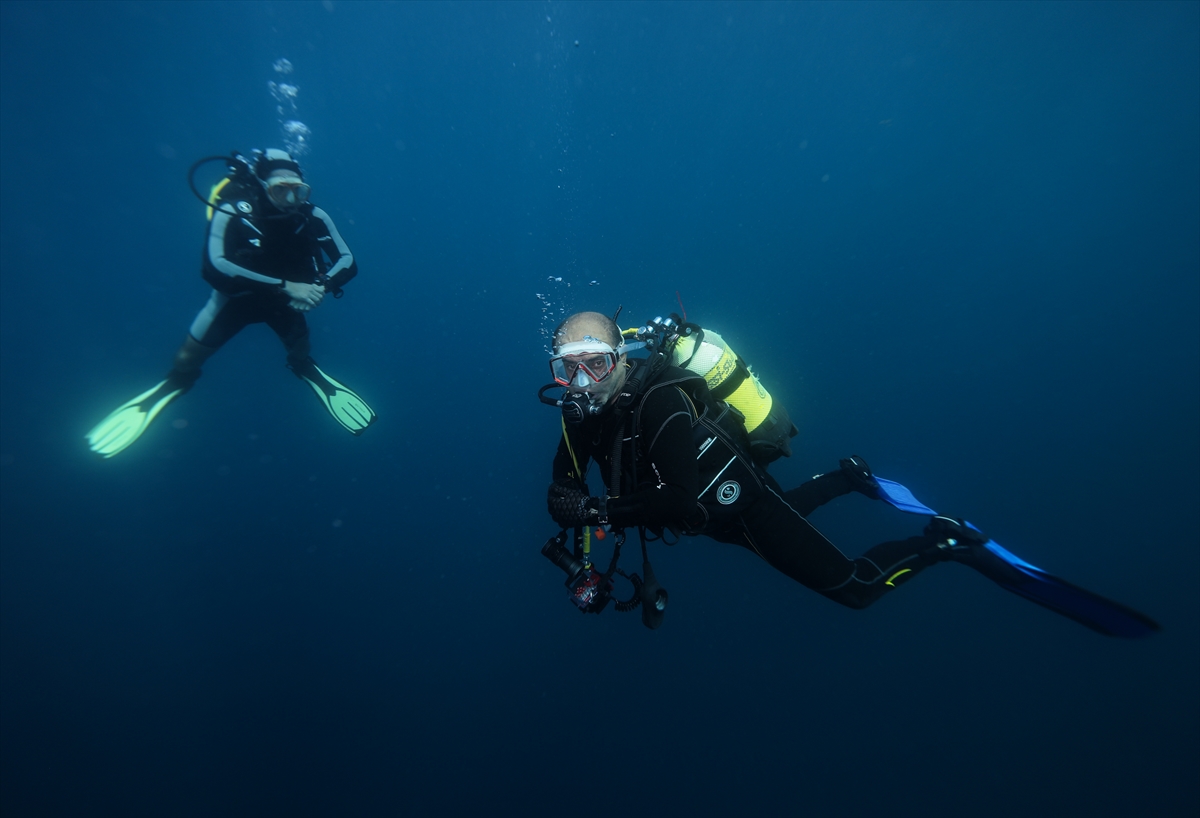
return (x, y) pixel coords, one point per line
(750, 398)
(901, 572)
(214, 194)
(752, 401)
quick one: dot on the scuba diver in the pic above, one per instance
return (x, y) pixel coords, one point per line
(676, 459)
(271, 256)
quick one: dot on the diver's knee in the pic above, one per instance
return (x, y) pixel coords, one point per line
(192, 355)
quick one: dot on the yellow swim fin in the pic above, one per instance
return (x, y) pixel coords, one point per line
(342, 402)
(126, 424)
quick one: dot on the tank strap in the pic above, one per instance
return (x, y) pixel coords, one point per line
(697, 332)
(731, 384)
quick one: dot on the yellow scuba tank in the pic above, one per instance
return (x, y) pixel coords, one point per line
(729, 379)
(234, 185)
(215, 194)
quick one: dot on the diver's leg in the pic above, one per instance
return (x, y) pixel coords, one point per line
(788, 542)
(215, 324)
(811, 494)
(219, 320)
(292, 329)
(853, 474)
(188, 360)
(883, 568)
(342, 402)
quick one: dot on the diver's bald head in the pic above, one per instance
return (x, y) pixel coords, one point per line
(583, 325)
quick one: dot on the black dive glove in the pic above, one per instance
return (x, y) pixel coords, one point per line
(570, 507)
(959, 541)
(858, 473)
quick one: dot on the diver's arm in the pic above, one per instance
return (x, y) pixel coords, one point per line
(564, 466)
(344, 266)
(221, 232)
(669, 495)
(567, 495)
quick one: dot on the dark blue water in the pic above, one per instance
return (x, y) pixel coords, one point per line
(961, 240)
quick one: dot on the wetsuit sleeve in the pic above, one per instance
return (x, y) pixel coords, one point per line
(224, 233)
(669, 480)
(344, 266)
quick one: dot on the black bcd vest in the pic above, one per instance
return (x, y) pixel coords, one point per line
(730, 480)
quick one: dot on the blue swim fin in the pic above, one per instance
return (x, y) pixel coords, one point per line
(964, 543)
(901, 497)
(1091, 610)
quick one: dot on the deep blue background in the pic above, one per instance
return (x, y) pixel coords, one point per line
(962, 240)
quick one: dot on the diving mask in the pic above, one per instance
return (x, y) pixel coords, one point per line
(287, 191)
(583, 363)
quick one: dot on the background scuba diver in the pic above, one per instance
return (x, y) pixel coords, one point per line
(674, 458)
(270, 256)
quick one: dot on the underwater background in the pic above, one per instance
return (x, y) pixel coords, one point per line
(959, 239)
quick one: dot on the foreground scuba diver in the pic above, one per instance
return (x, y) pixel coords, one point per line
(270, 256)
(675, 459)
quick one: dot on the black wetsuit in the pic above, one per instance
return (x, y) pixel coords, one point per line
(663, 494)
(250, 250)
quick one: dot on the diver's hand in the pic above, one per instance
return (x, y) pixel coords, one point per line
(570, 507)
(310, 294)
(859, 475)
(300, 306)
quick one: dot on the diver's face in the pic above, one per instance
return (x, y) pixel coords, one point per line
(585, 361)
(606, 390)
(589, 367)
(286, 190)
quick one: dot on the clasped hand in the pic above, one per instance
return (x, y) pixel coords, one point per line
(304, 296)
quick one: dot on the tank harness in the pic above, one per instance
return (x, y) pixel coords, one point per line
(768, 426)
